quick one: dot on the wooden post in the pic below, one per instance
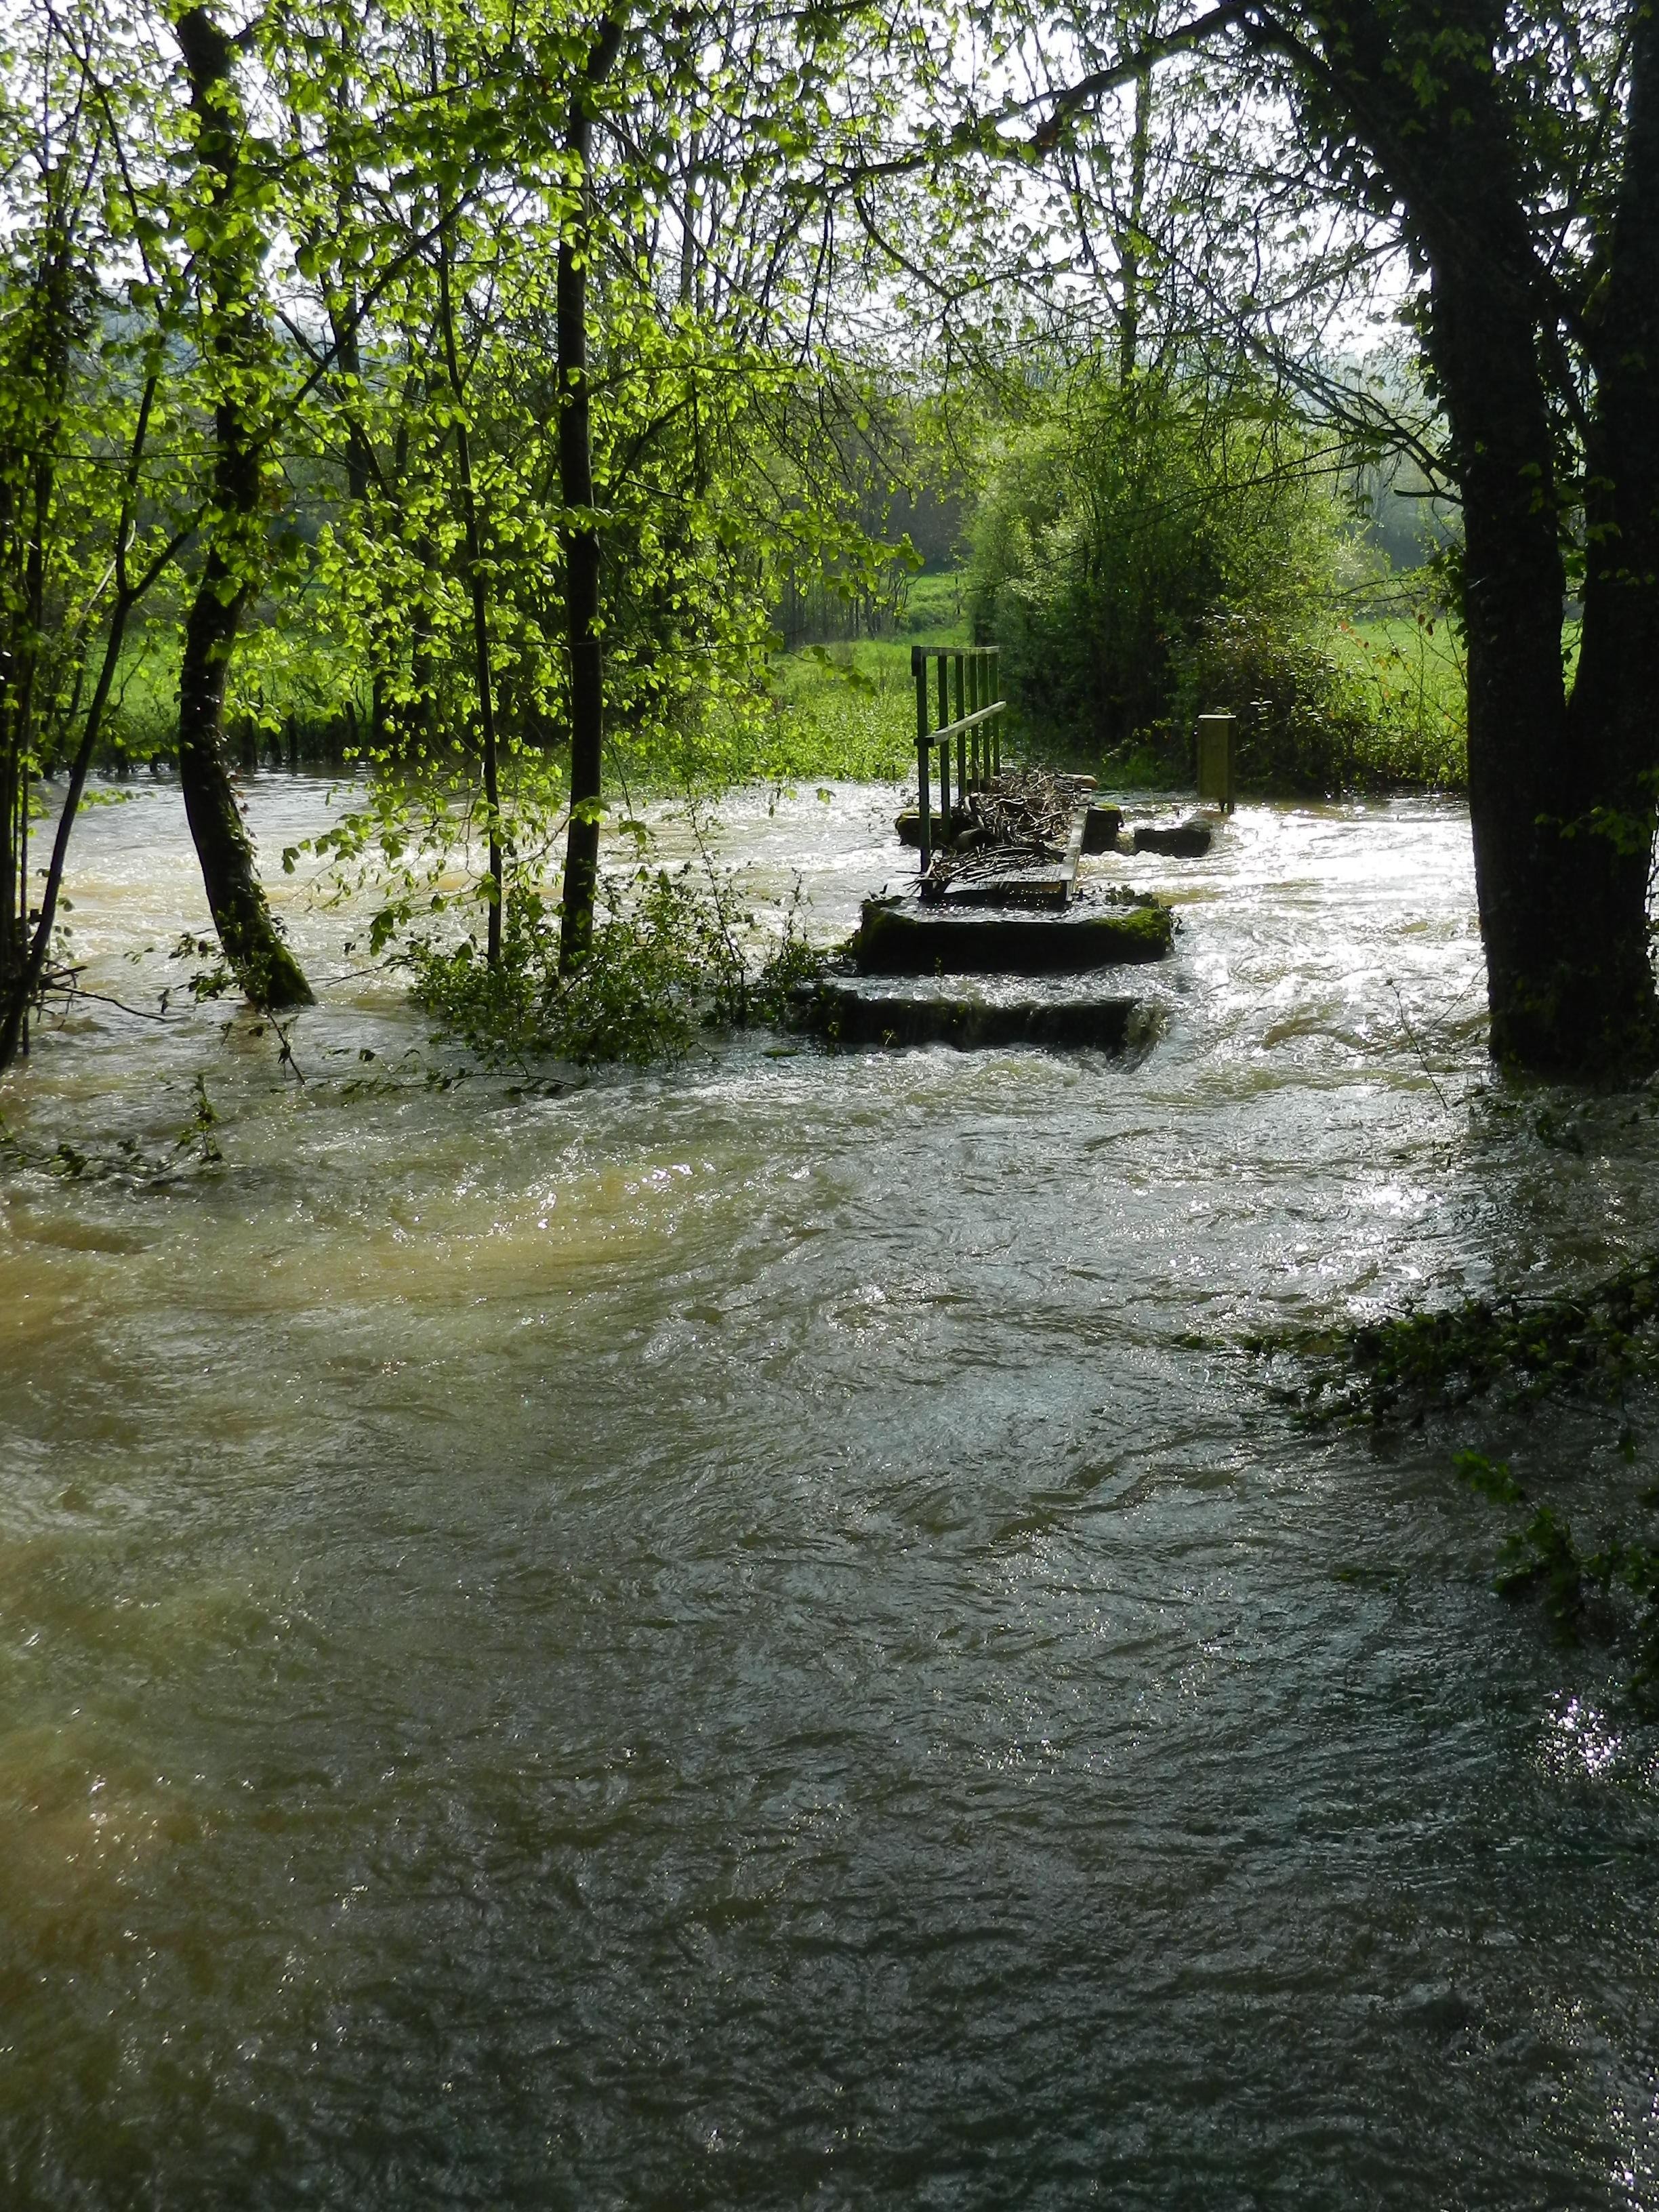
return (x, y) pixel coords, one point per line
(944, 750)
(995, 695)
(981, 730)
(1215, 759)
(924, 766)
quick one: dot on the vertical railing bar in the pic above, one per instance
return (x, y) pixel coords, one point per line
(957, 685)
(944, 750)
(924, 766)
(981, 734)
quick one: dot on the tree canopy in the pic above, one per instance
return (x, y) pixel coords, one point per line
(515, 361)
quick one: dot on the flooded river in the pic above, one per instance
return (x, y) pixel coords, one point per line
(745, 1636)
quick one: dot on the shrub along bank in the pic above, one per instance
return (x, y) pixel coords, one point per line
(1144, 553)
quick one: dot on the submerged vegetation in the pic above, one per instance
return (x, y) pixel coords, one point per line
(671, 953)
(1599, 1343)
(1593, 1343)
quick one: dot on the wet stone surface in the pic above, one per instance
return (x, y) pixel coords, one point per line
(892, 1011)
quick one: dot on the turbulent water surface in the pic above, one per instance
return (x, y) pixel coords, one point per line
(746, 1635)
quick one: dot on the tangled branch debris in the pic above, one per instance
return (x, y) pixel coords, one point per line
(1024, 819)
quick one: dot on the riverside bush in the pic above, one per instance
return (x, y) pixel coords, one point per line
(1143, 557)
(1309, 720)
(671, 953)
(1115, 528)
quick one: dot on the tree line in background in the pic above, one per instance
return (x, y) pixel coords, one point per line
(506, 372)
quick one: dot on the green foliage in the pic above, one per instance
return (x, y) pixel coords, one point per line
(1312, 719)
(1148, 554)
(847, 711)
(1387, 1373)
(1116, 526)
(935, 610)
(1488, 1478)
(671, 953)
(1540, 1558)
(1411, 659)
(1595, 1345)
(197, 1137)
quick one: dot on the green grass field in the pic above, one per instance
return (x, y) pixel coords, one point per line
(847, 711)
(850, 711)
(1414, 668)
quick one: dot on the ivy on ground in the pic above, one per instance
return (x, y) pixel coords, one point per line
(1593, 1345)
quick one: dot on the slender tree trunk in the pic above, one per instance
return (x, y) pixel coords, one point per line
(1129, 237)
(19, 989)
(360, 472)
(580, 538)
(689, 245)
(477, 593)
(14, 791)
(253, 946)
(39, 378)
(343, 318)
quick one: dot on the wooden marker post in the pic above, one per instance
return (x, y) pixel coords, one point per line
(1215, 760)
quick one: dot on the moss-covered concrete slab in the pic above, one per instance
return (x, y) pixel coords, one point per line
(900, 936)
(1101, 826)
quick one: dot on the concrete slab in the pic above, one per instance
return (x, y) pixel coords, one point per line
(891, 1010)
(900, 936)
(1187, 840)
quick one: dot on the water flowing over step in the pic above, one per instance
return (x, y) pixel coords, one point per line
(974, 1014)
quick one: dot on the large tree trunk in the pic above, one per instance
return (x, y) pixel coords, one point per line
(1561, 810)
(254, 947)
(1613, 717)
(1561, 905)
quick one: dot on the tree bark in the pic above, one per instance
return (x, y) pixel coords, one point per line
(580, 538)
(261, 962)
(19, 989)
(478, 595)
(1129, 236)
(39, 377)
(1613, 715)
(1560, 792)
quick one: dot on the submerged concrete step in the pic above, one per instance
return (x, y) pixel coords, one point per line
(888, 1011)
(1188, 838)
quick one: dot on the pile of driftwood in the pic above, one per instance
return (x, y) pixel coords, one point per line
(1024, 820)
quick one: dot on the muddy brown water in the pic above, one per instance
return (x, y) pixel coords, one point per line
(743, 1634)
